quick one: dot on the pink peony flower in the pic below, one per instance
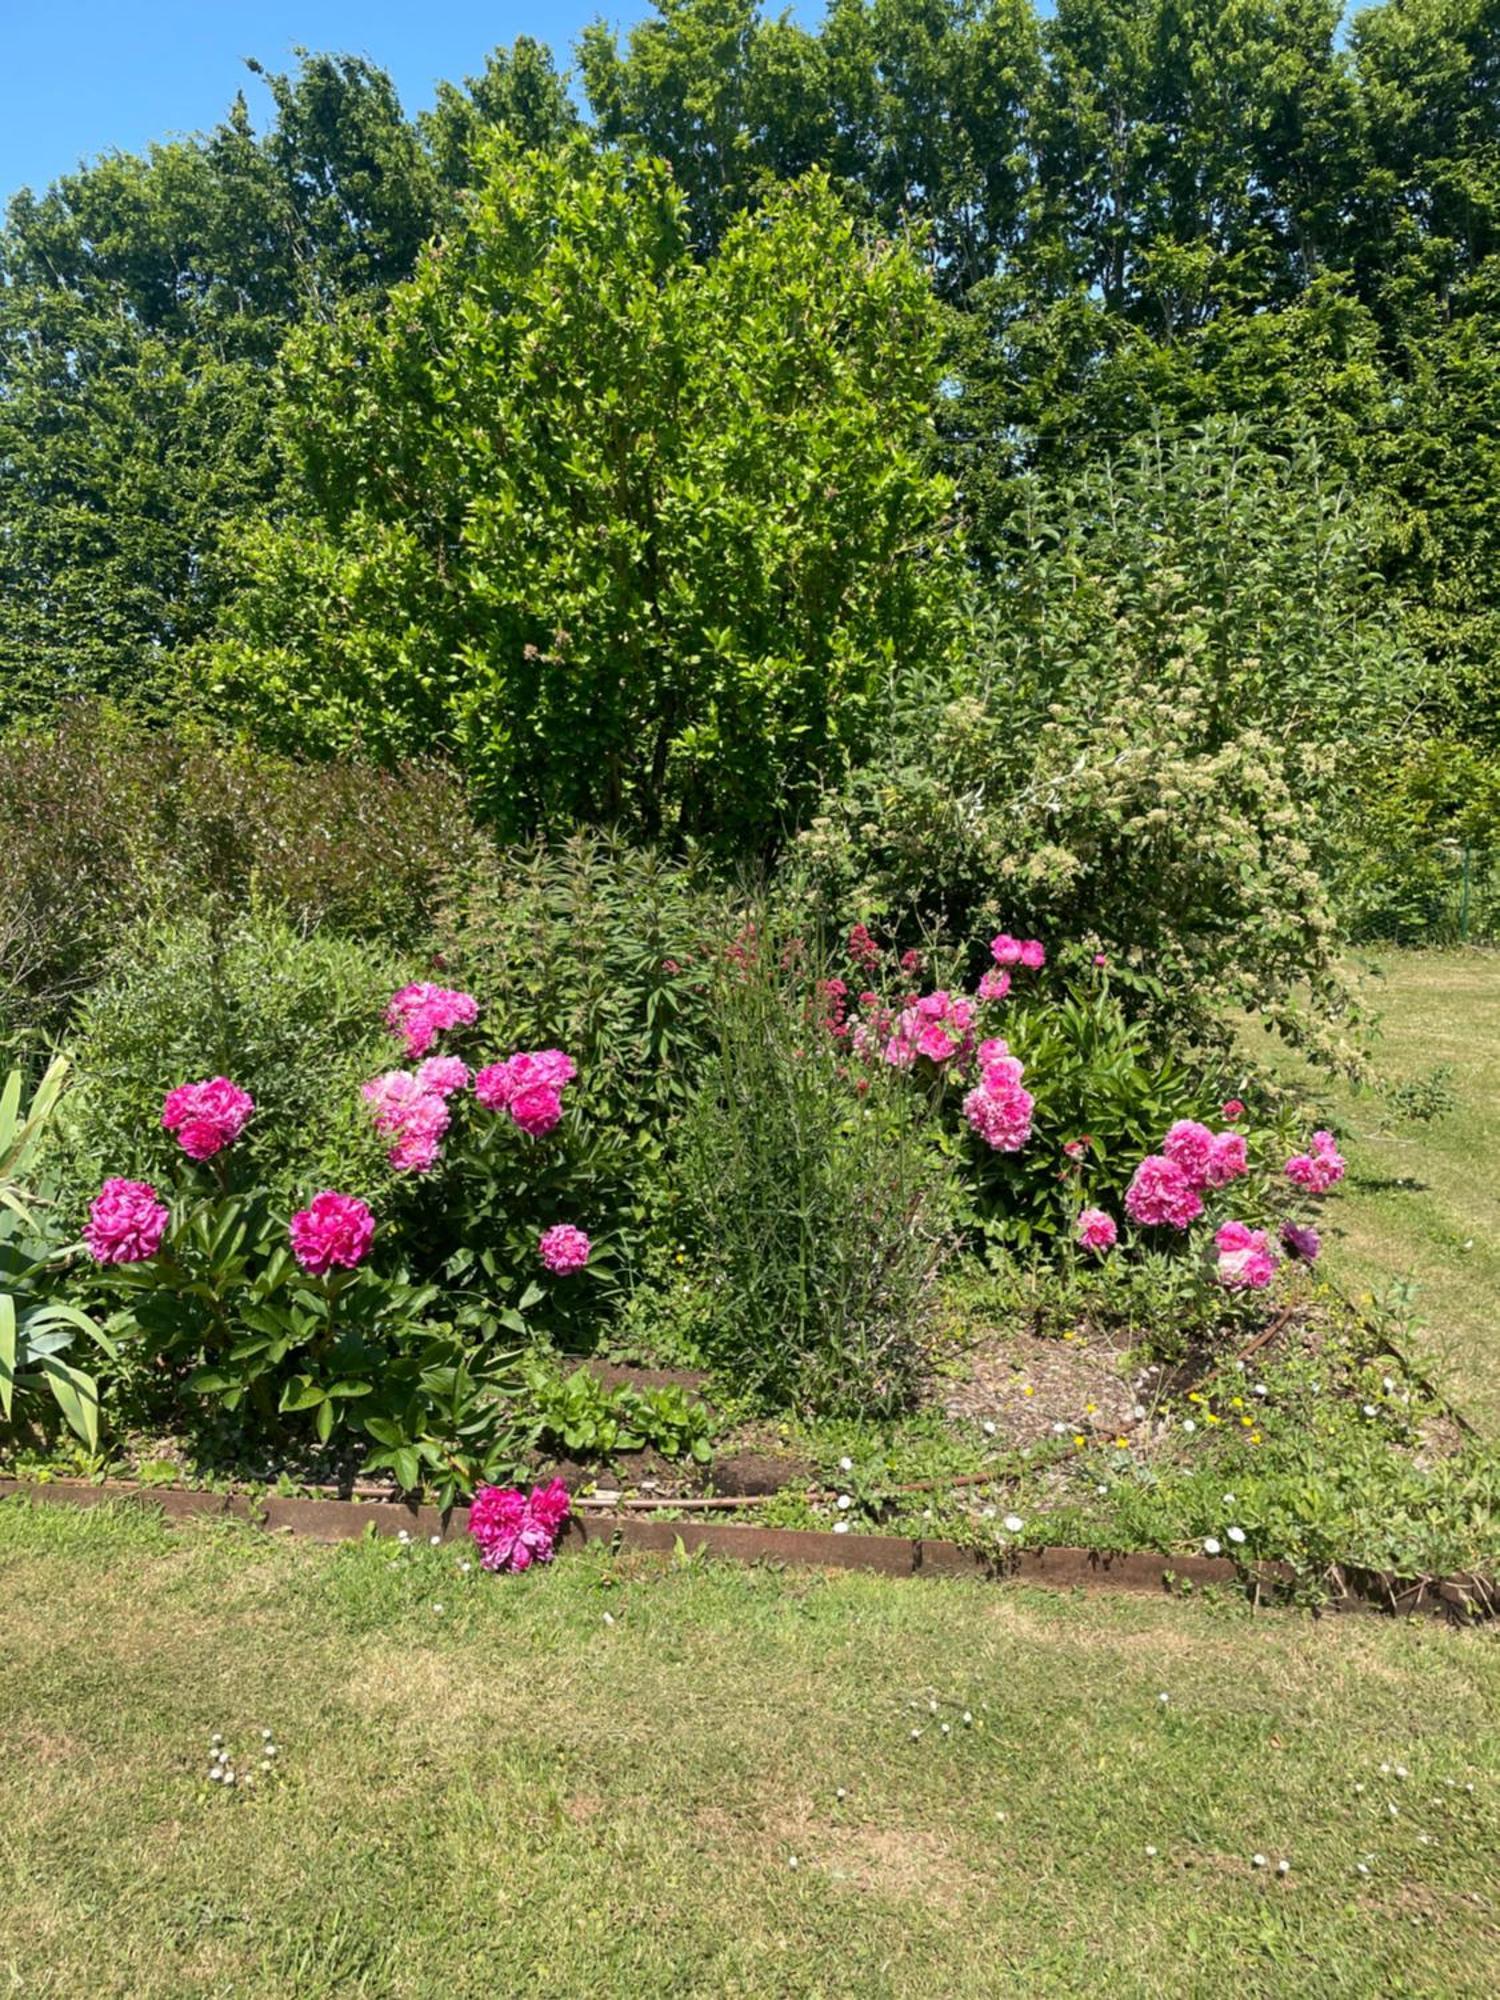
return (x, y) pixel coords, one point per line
(938, 1026)
(126, 1223)
(1095, 1230)
(1033, 955)
(1321, 1169)
(1246, 1260)
(1190, 1146)
(564, 1249)
(412, 1115)
(1229, 1157)
(998, 1108)
(332, 1229)
(1075, 1148)
(206, 1116)
(493, 1087)
(443, 1075)
(1302, 1240)
(536, 1109)
(513, 1531)
(1161, 1194)
(1005, 949)
(1231, 1109)
(1101, 958)
(420, 1012)
(994, 985)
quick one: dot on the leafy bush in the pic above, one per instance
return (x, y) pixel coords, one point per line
(104, 822)
(576, 1413)
(295, 1020)
(634, 537)
(821, 1214)
(1418, 861)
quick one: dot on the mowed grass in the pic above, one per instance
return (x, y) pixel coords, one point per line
(1422, 1200)
(513, 1795)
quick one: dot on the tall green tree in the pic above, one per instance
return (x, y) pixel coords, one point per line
(631, 535)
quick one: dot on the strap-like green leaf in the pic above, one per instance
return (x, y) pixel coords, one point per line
(77, 1396)
(7, 1350)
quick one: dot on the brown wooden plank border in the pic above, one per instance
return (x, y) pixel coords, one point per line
(1462, 1599)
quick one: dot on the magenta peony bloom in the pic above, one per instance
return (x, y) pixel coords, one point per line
(1229, 1157)
(1246, 1260)
(939, 1026)
(1161, 1194)
(512, 1531)
(994, 985)
(1231, 1109)
(998, 1108)
(443, 1075)
(564, 1249)
(536, 1110)
(206, 1116)
(126, 1223)
(411, 1115)
(1005, 949)
(1033, 955)
(1095, 1230)
(492, 1086)
(1321, 1169)
(1190, 1146)
(332, 1229)
(419, 1013)
(1101, 958)
(1302, 1240)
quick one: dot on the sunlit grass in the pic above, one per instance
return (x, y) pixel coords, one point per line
(595, 1781)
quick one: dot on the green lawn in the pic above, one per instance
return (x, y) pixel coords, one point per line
(513, 1795)
(1423, 1200)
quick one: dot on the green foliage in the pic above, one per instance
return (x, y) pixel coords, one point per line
(822, 1215)
(296, 1020)
(630, 537)
(37, 1329)
(104, 823)
(1145, 750)
(1421, 862)
(577, 1414)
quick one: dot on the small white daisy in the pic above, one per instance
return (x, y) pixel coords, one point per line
(1210, 1546)
(846, 1465)
(1013, 1524)
(841, 1527)
(1235, 1535)
(844, 1503)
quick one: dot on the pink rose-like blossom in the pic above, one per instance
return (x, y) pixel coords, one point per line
(1095, 1230)
(536, 1109)
(1005, 949)
(1229, 1157)
(1075, 1148)
(1101, 958)
(999, 1109)
(1231, 1109)
(1190, 1146)
(1033, 954)
(206, 1116)
(1321, 1169)
(1246, 1260)
(333, 1229)
(513, 1531)
(410, 1114)
(420, 1012)
(443, 1075)
(1161, 1195)
(1302, 1240)
(493, 1087)
(994, 985)
(564, 1249)
(126, 1222)
(939, 1026)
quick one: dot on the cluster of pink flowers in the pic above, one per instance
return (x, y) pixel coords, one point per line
(939, 1026)
(334, 1229)
(514, 1531)
(993, 985)
(411, 1109)
(1095, 1230)
(529, 1086)
(1209, 1159)
(1246, 1260)
(420, 1012)
(206, 1116)
(998, 1108)
(1008, 950)
(1162, 1195)
(564, 1249)
(1321, 1169)
(834, 995)
(126, 1223)
(863, 950)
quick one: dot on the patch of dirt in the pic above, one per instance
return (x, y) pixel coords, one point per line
(1028, 1384)
(903, 1864)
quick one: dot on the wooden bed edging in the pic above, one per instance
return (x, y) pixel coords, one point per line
(1462, 1599)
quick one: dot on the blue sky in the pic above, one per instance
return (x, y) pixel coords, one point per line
(78, 77)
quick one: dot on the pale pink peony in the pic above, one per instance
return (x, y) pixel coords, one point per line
(332, 1229)
(411, 1115)
(512, 1531)
(564, 1249)
(420, 1012)
(1095, 1230)
(1228, 1159)
(994, 985)
(126, 1223)
(206, 1116)
(1246, 1260)
(1161, 1194)
(443, 1075)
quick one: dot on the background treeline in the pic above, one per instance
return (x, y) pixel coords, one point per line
(990, 427)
